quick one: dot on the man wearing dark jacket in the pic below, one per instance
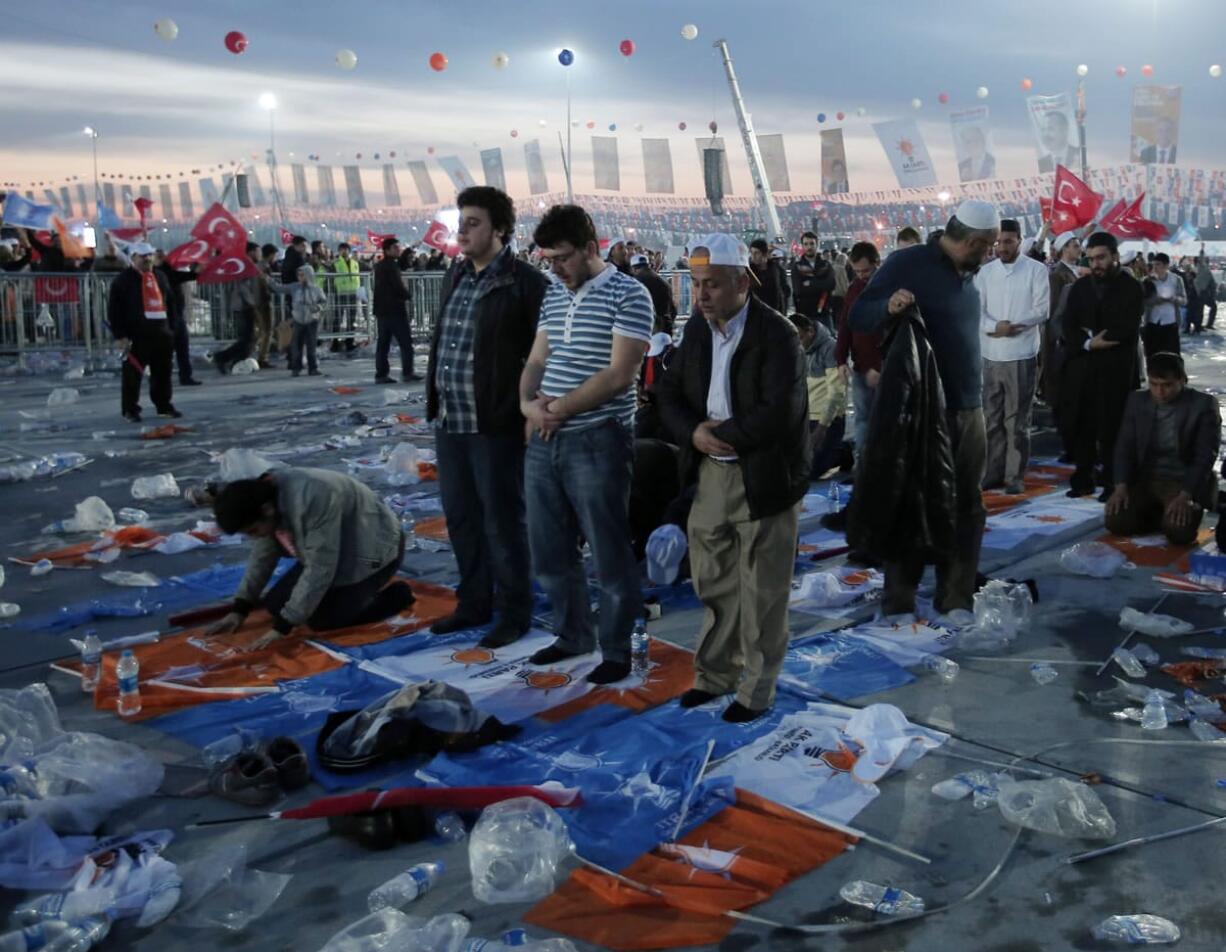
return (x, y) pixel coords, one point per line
(1102, 321)
(771, 287)
(137, 313)
(176, 311)
(735, 400)
(661, 294)
(391, 298)
(937, 278)
(295, 258)
(1164, 458)
(813, 282)
(486, 325)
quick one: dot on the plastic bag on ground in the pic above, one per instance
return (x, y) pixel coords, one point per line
(92, 515)
(244, 367)
(162, 486)
(220, 891)
(390, 930)
(1096, 559)
(1153, 624)
(132, 579)
(1056, 806)
(238, 463)
(1002, 608)
(63, 396)
(515, 849)
(28, 720)
(402, 465)
(1136, 930)
(391, 397)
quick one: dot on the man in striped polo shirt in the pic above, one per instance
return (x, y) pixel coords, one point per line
(577, 395)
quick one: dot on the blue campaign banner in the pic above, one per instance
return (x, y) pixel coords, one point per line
(833, 665)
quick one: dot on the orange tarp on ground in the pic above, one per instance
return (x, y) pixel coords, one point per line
(129, 537)
(670, 675)
(433, 528)
(995, 501)
(1154, 556)
(770, 846)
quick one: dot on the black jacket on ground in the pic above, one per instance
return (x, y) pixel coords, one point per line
(126, 306)
(389, 292)
(1199, 422)
(903, 505)
(509, 308)
(661, 299)
(769, 428)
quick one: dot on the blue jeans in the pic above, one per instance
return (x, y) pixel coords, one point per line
(862, 396)
(577, 486)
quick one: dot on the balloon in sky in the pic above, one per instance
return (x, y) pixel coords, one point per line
(429, 150)
(358, 156)
(821, 117)
(1083, 69)
(943, 98)
(438, 62)
(392, 154)
(1147, 70)
(626, 47)
(566, 57)
(166, 29)
(591, 123)
(1121, 71)
(681, 126)
(839, 116)
(501, 61)
(1027, 84)
(689, 32)
(713, 126)
(982, 92)
(612, 126)
(346, 59)
(376, 155)
(543, 123)
(638, 127)
(1215, 71)
(514, 133)
(236, 42)
(917, 103)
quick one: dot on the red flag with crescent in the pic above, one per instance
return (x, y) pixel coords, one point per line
(227, 267)
(287, 237)
(221, 230)
(196, 251)
(1074, 204)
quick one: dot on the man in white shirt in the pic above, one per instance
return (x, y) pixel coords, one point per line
(1014, 298)
(1164, 296)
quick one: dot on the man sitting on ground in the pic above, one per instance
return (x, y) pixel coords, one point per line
(1164, 456)
(348, 544)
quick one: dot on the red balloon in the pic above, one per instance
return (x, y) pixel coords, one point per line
(943, 98)
(713, 126)
(358, 156)
(591, 124)
(839, 116)
(1147, 70)
(1027, 84)
(514, 133)
(681, 126)
(236, 42)
(392, 154)
(438, 62)
(626, 47)
(430, 150)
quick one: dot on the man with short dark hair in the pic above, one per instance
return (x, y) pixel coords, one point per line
(577, 394)
(813, 281)
(295, 258)
(346, 284)
(391, 315)
(486, 325)
(907, 237)
(1102, 320)
(661, 294)
(864, 350)
(136, 311)
(1165, 456)
(770, 284)
(1164, 295)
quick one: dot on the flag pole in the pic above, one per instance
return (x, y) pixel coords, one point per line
(1081, 129)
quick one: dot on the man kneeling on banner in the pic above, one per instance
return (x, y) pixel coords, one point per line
(1164, 456)
(348, 545)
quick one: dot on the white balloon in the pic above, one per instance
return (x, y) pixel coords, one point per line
(861, 111)
(346, 59)
(638, 127)
(166, 28)
(1083, 69)
(982, 92)
(543, 123)
(917, 103)
(501, 61)
(1215, 71)
(689, 32)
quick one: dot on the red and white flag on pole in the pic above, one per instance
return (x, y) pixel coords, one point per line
(376, 239)
(439, 236)
(221, 230)
(1074, 204)
(1125, 220)
(227, 267)
(196, 251)
(287, 237)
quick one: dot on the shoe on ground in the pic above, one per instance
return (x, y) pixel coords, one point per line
(862, 560)
(609, 672)
(384, 380)
(696, 696)
(290, 762)
(835, 521)
(190, 382)
(170, 412)
(132, 416)
(552, 655)
(314, 373)
(410, 378)
(458, 621)
(248, 778)
(738, 713)
(1015, 489)
(503, 634)
(1104, 495)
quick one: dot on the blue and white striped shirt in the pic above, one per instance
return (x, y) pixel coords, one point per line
(581, 326)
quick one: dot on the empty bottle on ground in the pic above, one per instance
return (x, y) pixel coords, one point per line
(883, 899)
(91, 661)
(128, 674)
(639, 646)
(403, 889)
(1137, 930)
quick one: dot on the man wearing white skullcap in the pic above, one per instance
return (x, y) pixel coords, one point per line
(937, 279)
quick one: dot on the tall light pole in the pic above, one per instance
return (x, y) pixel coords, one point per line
(566, 57)
(268, 102)
(93, 141)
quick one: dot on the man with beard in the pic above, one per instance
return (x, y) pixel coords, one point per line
(813, 282)
(771, 284)
(137, 313)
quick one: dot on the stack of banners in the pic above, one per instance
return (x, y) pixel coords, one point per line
(1155, 124)
(1055, 131)
(836, 591)
(1053, 515)
(658, 166)
(973, 144)
(906, 643)
(834, 163)
(908, 155)
(606, 172)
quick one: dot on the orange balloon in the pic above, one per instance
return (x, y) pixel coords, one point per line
(438, 62)
(1027, 84)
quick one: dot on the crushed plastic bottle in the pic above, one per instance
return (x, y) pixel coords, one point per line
(944, 668)
(219, 751)
(1043, 673)
(91, 662)
(55, 935)
(1203, 707)
(984, 784)
(403, 889)
(1206, 732)
(1137, 930)
(132, 579)
(1146, 655)
(640, 646)
(63, 396)
(9, 610)
(449, 827)
(71, 906)
(128, 674)
(162, 486)
(1, 576)
(1128, 662)
(1153, 715)
(881, 899)
(1208, 654)
(513, 939)
(132, 516)
(41, 567)
(835, 495)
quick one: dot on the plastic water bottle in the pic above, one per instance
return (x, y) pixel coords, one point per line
(1202, 707)
(41, 567)
(128, 673)
(81, 936)
(1043, 672)
(1128, 661)
(509, 940)
(91, 661)
(8, 609)
(403, 889)
(1206, 732)
(1137, 930)
(945, 668)
(1153, 715)
(835, 495)
(73, 906)
(1146, 655)
(1207, 654)
(640, 643)
(883, 899)
(449, 827)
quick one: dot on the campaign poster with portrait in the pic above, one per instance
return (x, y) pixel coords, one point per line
(834, 163)
(973, 144)
(1055, 131)
(1155, 124)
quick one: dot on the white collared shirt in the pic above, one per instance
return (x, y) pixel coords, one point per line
(1163, 308)
(1018, 293)
(723, 345)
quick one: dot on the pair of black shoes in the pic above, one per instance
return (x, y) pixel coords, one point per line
(607, 672)
(503, 634)
(735, 713)
(256, 778)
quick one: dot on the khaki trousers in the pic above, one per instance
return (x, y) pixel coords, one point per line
(742, 571)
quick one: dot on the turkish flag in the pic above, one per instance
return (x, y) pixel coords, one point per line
(377, 239)
(1045, 209)
(126, 234)
(438, 235)
(227, 267)
(1126, 221)
(1074, 204)
(287, 237)
(222, 231)
(142, 207)
(196, 251)
(56, 290)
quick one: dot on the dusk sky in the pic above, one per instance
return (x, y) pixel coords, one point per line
(167, 107)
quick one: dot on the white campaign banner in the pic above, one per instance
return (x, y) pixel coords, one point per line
(457, 171)
(775, 161)
(606, 172)
(658, 166)
(1055, 131)
(905, 148)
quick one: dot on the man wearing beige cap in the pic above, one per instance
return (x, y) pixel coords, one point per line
(735, 400)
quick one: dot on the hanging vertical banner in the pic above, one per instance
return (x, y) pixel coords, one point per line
(82, 201)
(658, 166)
(298, 174)
(229, 192)
(255, 188)
(126, 194)
(242, 191)
(353, 187)
(713, 161)
(166, 200)
(775, 161)
(52, 197)
(905, 148)
(1155, 123)
(327, 185)
(606, 173)
(391, 187)
(834, 163)
(65, 201)
(108, 194)
(460, 177)
(973, 144)
(425, 184)
(538, 184)
(185, 200)
(1055, 131)
(491, 168)
(716, 143)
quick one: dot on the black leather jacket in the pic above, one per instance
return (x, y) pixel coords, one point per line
(903, 503)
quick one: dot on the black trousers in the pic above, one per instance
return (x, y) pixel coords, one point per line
(1096, 428)
(241, 348)
(398, 328)
(342, 605)
(481, 483)
(183, 354)
(152, 349)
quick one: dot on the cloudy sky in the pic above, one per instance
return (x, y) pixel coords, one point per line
(170, 107)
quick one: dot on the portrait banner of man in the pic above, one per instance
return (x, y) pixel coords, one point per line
(1155, 124)
(834, 163)
(973, 144)
(1055, 131)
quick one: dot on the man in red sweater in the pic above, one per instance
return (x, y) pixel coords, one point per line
(863, 349)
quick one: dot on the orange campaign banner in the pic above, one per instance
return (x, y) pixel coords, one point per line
(1155, 124)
